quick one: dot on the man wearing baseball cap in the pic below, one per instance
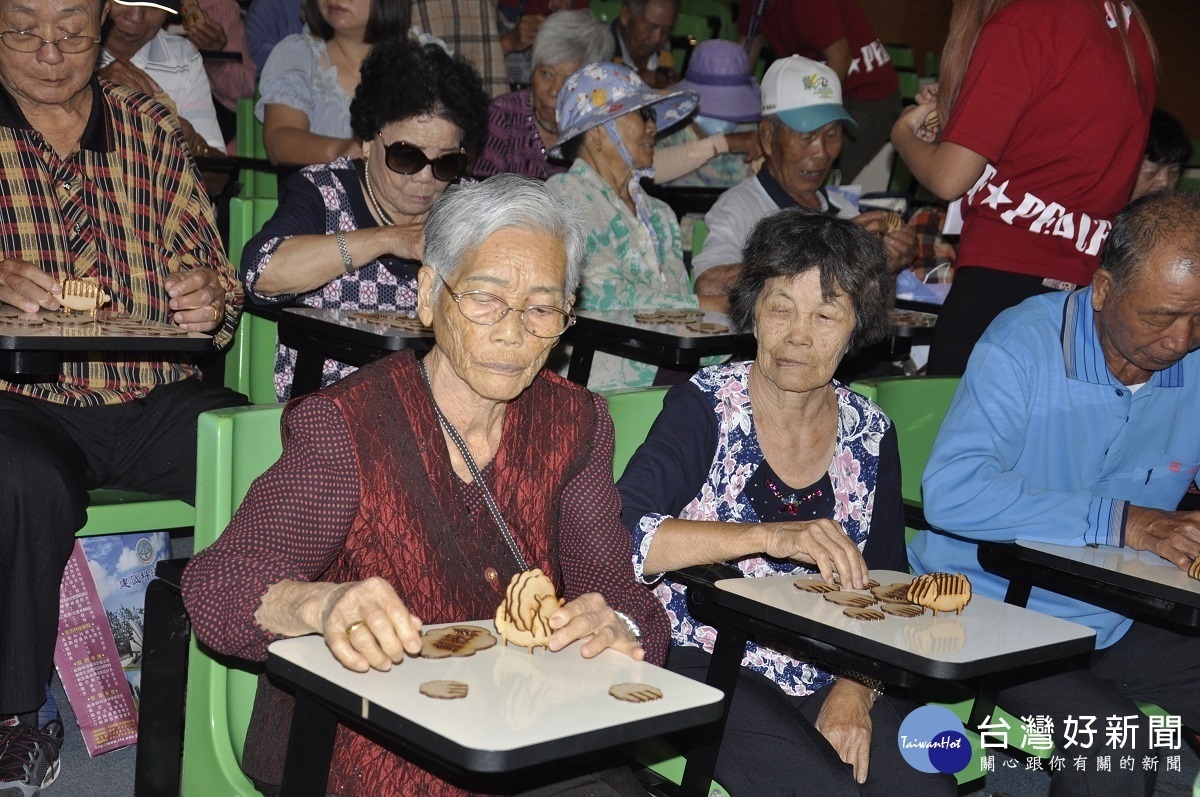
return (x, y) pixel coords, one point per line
(801, 137)
(140, 55)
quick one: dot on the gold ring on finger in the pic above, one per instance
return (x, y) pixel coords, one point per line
(216, 313)
(350, 628)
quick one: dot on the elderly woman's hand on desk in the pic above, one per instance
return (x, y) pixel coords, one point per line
(591, 619)
(821, 542)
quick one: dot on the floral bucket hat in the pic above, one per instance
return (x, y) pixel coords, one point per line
(602, 91)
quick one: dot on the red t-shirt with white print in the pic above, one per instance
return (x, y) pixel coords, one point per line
(807, 27)
(1048, 99)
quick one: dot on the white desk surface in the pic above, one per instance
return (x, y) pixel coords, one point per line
(516, 700)
(987, 633)
(1146, 567)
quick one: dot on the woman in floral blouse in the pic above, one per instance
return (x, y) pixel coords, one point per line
(810, 472)
(607, 119)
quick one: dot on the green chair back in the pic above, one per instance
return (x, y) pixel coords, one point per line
(234, 446)
(250, 145)
(902, 56)
(933, 64)
(910, 83)
(699, 236)
(605, 10)
(633, 413)
(916, 405)
(250, 362)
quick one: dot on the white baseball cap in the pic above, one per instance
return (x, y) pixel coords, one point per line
(804, 94)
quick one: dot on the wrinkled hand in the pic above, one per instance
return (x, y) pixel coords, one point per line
(198, 298)
(208, 35)
(521, 37)
(821, 542)
(900, 244)
(407, 240)
(590, 618)
(26, 287)
(747, 142)
(845, 721)
(1175, 536)
(126, 74)
(387, 629)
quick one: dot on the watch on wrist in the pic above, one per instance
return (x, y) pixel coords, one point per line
(874, 684)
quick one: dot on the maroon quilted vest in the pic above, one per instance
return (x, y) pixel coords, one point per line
(414, 529)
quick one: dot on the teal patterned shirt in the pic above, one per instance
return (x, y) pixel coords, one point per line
(622, 270)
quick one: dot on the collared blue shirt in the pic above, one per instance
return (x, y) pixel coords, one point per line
(1042, 443)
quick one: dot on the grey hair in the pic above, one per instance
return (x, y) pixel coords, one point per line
(567, 36)
(466, 215)
(1162, 218)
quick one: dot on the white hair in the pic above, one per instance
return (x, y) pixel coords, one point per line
(567, 36)
(466, 215)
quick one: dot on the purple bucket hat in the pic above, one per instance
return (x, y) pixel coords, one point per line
(720, 73)
(602, 91)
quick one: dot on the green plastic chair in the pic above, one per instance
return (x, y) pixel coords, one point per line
(910, 83)
(916, 405)
(699, 236)
(633, 413)
(933, 64)
(902, 56)
(255, 184)
(605, 10)
(250, 364)
(234, 446)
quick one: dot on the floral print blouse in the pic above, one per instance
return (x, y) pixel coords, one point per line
(622, 270)
(723, 455)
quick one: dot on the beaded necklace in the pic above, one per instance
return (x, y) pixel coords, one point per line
(792, 503)
(387, 220)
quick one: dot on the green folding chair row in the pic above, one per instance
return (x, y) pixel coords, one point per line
(250, 145)
(234, 446)
(250, 362)
(715, 10)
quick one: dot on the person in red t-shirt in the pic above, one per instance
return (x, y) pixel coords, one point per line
(1046, 104)
(838, 33)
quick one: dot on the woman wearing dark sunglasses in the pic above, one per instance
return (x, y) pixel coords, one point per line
(349, 234)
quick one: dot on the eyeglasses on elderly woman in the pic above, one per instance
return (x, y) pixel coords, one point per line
(487, 309)
(403, 158)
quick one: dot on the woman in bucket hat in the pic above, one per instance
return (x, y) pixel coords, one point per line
(726, 119)
(607, 119)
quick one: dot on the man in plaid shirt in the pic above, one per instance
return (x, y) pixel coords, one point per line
(95, 183)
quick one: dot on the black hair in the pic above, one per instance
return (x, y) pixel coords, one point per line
(1168, 143)
(389, 19)
(1151, 220)
(850, 260)
(402, 79)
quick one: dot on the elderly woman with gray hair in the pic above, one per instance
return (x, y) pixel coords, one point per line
(522, 126)
(774, 467)
(504, 467)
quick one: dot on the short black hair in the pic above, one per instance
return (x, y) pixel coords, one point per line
(1154, 219)
(402, 79)
(388, 19)
(850, 260)
(1168, 143)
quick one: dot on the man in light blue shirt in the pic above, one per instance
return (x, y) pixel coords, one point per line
(1078, 423)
